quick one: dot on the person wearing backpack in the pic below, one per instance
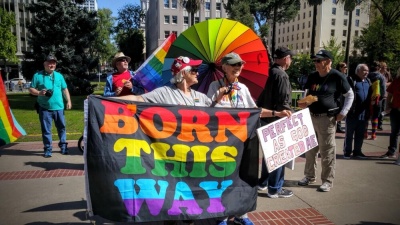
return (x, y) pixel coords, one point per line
(357, 117)
(378, 92)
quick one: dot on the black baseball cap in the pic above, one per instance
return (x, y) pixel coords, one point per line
(51, 58)
(322, 54)
(281, 52)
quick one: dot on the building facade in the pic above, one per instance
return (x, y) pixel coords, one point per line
(332, 22)
(90, 5)
(164, 17)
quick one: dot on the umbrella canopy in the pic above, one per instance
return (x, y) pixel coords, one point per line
(212, 39)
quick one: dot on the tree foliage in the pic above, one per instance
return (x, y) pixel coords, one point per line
(102, 47)
(129, 37)
(61, 28)
(381, 40)
(8, 41)
(192, 6)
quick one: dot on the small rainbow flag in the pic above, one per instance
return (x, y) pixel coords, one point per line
(10, 130)
(150, 72)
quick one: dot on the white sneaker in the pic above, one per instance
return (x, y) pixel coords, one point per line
(261, 188)
(325, 187)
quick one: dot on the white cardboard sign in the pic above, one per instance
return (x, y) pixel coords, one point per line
(287, 138)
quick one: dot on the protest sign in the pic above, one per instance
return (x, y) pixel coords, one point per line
(152, 162)
(287, 138)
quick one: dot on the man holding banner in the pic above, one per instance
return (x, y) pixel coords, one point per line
(276, 96)
(328, 85)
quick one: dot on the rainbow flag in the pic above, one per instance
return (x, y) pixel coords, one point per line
(10, 130)
(150, 72)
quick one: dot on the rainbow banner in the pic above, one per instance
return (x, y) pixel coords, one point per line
(149, 74)
(10, 130)
(147, 162)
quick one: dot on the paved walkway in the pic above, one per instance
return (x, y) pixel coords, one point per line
(35, 190)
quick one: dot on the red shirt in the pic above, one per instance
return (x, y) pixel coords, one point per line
(394, 89)
(118, 80)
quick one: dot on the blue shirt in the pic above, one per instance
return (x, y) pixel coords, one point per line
(362, 96)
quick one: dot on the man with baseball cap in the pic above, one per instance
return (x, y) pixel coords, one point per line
(123, 82)
(328, 85)
(276, 96)
(51, 89)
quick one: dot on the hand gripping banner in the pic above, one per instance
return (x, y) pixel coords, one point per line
(150, 162)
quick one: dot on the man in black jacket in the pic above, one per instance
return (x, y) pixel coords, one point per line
(276, 96)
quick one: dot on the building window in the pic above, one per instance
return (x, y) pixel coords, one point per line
(305, 5)
(283, 30)
(304, 15)
(333, 22)
(298, 26)
(292, 27)
(346, 13)
(279, 40)
(287, 38)
(174, 19)
(207, 6)
(309, 24)
(207, 18)
(357, 23)
(333, 11)
(279, 31)
(302, 45)
(304, 25)
(175, 32)
(288, 29)
(357, 12)
(166, 33)
(298, 16)
(166, 19)
(297, 46)
(309, 14)
(218, 6)
(166, 4)
(343, 44)
(308, 34)
(185, 20)
(332, 32)
(344, 33)
(334, 2)
(308, 44)
(196, 19)
(302, 35)
(297, 37)
(174, 4)
(356, 33)
(292, 38)
(345, 22)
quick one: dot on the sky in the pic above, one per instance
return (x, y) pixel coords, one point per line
(115, 5)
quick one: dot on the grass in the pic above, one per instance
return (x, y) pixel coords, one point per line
(22, 107)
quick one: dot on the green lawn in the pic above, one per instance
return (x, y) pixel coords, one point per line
(22, 107)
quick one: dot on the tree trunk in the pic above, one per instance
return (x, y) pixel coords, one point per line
(313, 31)
(274, 28)
(346, 56)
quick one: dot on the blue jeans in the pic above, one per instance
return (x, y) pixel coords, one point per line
(46, 118)
(274, 180)
(354, 128)
(395, 130)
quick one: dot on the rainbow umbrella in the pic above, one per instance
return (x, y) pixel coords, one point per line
(10, 130)
(149, 73)
(212, 39)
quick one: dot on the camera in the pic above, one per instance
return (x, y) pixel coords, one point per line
(49, 93)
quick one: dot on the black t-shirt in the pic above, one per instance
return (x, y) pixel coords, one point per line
(328, 89)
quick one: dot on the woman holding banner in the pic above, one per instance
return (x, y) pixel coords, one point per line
(236, 95)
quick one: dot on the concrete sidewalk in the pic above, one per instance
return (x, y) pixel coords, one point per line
(35, 190)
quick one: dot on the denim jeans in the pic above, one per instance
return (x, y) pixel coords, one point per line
(395, 130)
(273, 180)
(355, 129)
(46, 118)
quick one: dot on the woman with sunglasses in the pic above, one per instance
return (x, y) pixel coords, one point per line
(236, 95)
(122, 82)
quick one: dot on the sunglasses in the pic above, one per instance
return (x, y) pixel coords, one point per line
(236, 64)
(194, 70)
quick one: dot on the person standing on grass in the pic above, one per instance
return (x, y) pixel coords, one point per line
(123, 82)
(51, 89)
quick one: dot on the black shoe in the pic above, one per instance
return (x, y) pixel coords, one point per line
(380, 129)
(346, 155)
(341, 131)
(359, 155)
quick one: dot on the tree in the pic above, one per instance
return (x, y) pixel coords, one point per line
(381, 40)
(8, 41)
(129, 37)
(102, 47)
(61, 28)
(192, 6)
(336, 50)
(314, 4)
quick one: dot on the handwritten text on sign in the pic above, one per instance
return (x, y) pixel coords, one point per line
(287, 138)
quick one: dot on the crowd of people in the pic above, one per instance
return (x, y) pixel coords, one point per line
(357, 99)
